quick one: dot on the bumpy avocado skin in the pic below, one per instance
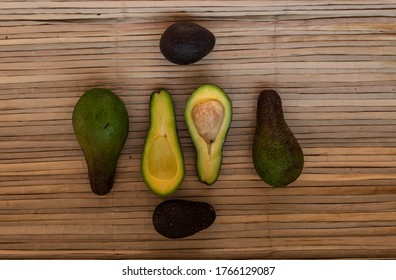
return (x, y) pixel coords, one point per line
(101, 124)
(277, 155)
(186, 42)
(178, 218)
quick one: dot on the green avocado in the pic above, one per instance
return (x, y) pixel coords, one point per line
(277, 156)
(101, 124)
(186, 42)
(162, 163)
(208, 115)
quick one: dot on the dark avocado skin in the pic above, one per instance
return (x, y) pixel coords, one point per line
(277, 155)
(186, 42)
(178, 218)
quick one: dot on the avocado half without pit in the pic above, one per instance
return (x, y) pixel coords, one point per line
(162, 163)
(208, 115)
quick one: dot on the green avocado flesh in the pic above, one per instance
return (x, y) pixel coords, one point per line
(101, 124)
(162, 163)
(277, 155)
(208, 116)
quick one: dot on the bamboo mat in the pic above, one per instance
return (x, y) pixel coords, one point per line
(332, 62)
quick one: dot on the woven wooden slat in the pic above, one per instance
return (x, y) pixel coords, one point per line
(333, 63)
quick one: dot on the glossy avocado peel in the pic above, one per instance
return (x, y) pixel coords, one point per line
(277, 156)
(101, 124)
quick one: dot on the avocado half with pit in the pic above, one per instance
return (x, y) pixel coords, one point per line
(162, 163)
(208, 115)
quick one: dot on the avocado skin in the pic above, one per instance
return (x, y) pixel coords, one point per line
(186, 43)
(178, 218)
(101, 124)
(277, 156)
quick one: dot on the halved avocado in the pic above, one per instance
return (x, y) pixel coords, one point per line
(208, 115)
(162, 163)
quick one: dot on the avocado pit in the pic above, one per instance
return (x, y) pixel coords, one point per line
(208, 118)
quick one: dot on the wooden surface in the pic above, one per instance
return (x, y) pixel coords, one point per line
(333, 63)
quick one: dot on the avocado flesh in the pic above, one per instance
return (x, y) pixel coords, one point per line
(208, 115)
(101, 124)
(277, 156)
(162, 164)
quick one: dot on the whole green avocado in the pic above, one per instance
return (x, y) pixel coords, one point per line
(101, 124)
(277, 156)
